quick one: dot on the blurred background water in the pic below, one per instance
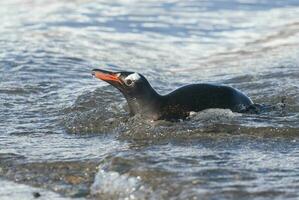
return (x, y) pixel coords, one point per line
(62, 130)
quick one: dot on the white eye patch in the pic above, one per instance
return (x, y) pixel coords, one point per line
(133, 77)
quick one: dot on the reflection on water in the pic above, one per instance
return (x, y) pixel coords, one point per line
(64, 131)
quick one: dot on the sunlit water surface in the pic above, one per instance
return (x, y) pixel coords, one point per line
(62, 130)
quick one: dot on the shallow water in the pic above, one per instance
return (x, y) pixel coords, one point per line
(64, 131)
(10, 190)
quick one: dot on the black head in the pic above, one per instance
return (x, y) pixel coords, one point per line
(129, 83)
(134, 86)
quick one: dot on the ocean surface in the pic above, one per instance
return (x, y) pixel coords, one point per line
(64, 134)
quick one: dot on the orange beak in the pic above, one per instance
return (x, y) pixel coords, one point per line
(106, 75)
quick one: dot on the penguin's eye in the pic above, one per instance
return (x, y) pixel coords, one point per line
(129, 82)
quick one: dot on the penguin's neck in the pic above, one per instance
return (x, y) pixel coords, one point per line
(147, 104)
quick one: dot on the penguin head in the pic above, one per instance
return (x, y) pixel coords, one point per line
(131, 84)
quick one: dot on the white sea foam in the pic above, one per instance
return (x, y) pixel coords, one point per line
(216, 114)
(111, 184)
